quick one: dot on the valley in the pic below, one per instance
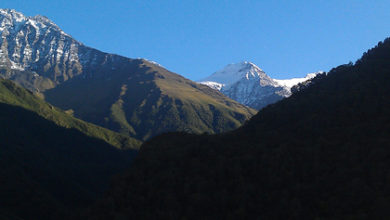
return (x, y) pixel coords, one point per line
(86, 134)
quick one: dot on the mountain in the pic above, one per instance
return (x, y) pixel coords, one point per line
(11, 94)
(144, 99)
(36, 53)
(52, 164)
(322, 153)
(136, 97)
(250, 85)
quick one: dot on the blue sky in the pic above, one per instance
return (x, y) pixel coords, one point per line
(196, 38)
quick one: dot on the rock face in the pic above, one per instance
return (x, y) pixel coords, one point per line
(37, 54)
(136, 97)
(36, 45)
(250, 85)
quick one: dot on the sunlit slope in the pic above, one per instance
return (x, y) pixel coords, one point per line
(15, 95)
(142, 99)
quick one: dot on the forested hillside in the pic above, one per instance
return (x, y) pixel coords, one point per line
(322, 153)
(52, 165)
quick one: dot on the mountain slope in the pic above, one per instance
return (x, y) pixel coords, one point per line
(133, 96)
(14, 95)
(39, 46)
(322, 153)
(142, 99)
(248, 84)
(50, 171)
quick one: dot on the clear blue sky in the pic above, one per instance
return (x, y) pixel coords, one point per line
(196, 38)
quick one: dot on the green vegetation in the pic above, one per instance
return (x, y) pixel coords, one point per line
(12, 94)
(141, 100)
(50, 168)
(27, 79)
(322, 153)
(48, 171)
(52, 164)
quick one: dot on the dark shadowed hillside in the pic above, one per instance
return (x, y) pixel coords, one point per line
(52, 165)
(323, 153)
(50, 172)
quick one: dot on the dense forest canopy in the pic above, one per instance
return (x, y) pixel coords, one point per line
(321, 153)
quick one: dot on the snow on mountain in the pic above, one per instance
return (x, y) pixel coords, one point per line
(233, 73)
(46, 54)
(28, 40)
(250, 85)
(38, 55)
(213, 85)
(151, 61)
(289, 83)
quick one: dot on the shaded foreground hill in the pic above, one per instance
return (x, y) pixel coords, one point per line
(50, 168)
(323, 153)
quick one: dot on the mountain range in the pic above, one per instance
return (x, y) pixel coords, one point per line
(135, 97)
(73, 118)
(54, 163)
(322, 153)
(249, 85)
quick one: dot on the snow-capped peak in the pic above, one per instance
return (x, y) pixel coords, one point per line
(12, 20)
(27, 41)
(45, 21)
(14, 14)
(249, 85)
(235, 72)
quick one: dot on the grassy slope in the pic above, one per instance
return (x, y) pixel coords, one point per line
(15, 95)
(178, 87)
(142, 100)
